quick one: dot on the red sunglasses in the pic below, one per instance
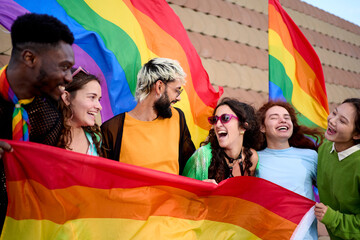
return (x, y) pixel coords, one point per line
(225, 118)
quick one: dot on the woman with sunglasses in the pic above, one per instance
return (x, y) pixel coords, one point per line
(229, 148)
(288, 157)
(80, 103)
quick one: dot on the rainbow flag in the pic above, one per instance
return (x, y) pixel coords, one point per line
(114, 38)
(59, 194)
(295, 72)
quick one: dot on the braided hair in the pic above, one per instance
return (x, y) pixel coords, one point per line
(218, 168)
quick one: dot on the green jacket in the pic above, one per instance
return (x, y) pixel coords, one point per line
(197, 166)
(339, 189)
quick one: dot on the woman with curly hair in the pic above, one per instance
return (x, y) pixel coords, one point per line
(288, 156)
(79, 104)
(229, 148)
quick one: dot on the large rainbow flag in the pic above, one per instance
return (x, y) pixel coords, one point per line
(58, 194)
(295, 71)
(114, 38)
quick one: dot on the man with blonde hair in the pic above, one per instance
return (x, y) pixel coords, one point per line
(154, 134)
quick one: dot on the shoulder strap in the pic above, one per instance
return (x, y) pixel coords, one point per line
(182, 123)
(182, 159)
(117, 147)
(112, 131)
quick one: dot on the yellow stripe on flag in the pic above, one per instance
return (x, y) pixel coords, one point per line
(316, 112)
(156, 227)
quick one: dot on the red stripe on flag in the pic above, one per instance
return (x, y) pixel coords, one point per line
(164, 16)
(95, 172)
(302, 45)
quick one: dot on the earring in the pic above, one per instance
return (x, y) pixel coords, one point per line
(242, 132)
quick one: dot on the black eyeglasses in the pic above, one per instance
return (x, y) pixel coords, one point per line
(225, 118)
(178, 91)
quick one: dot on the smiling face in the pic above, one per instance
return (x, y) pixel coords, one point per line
(54, 70)
(85, 104)
(341, 127)
(229, 135)
(278, 126)
(169, 97)
(173, 90)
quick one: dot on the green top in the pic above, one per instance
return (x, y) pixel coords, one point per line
(197, 166)
(339, 189)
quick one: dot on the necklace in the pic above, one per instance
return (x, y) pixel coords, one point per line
(231, 162)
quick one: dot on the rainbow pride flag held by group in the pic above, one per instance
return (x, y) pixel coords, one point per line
(59, 194)
(114, 38)
(295, 72)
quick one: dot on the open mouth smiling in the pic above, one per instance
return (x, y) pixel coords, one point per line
(282, 128)
(222, 133)
(331, 130)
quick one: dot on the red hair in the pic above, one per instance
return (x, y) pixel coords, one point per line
(301, 134)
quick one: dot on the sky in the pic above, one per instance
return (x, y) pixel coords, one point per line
(346, 9)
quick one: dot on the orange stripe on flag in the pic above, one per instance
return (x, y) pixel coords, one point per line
(48, 184)
(167, 46)
(77, 202)
(303, 70)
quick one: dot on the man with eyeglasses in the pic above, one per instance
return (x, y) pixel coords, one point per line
(154, 134)
(31, 84)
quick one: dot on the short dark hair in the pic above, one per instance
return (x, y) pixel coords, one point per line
(41, 29)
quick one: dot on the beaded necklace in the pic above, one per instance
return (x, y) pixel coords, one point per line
(231, 162)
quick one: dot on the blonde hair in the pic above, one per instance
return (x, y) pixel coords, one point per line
(164, 69)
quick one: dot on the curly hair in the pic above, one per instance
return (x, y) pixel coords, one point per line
(79, 80)
(39, 31)
(356, 104)
(218, 168)
(301, 134)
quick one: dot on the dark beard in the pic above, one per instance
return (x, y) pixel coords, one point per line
(162, 106)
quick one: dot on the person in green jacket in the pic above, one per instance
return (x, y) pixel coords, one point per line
(229, 148)
(339, 173)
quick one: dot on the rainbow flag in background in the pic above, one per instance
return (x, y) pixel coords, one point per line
(114, 38)
(295, 71)
(59, 194)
